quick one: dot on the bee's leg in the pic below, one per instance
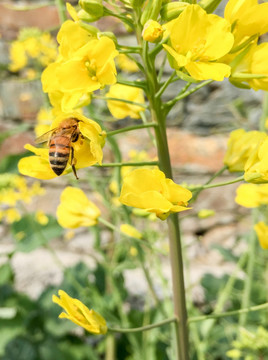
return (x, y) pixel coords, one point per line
(73, 162)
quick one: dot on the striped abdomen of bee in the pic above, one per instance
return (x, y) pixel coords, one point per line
(59, 152)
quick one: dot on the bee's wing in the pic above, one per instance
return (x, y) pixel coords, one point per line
(45, 137)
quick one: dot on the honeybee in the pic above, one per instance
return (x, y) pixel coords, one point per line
(60, 142)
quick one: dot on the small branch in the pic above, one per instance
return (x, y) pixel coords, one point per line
(61, 10)
(170, 103)
(144, 328)
(130, 128)
(194, 188)
(120, 100)
(229, 313)
(138, 84)
(165, 85)
(144, 163)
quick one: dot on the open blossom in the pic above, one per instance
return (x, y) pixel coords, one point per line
(80, 314)
(87, 151)
(252, 195)
(152, 191)
(247, 18)
(76, 209)
(262, 232)
(240, 146)
(120, 109)
(197, 41)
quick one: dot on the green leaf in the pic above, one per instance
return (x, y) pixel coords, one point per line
(226, 253)
(9, 164)
(6, 274)
(20, 348)
(35, 234)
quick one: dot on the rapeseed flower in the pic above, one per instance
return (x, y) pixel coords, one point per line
(240, 146)
(76, 209)
(252, 195)
(44, 120)
(247, 18)
(120, 109)
(130, 231)
(262, 232)
(152, 31)
(126, 64)
(196, 41)
(256, 167)
(152, 191)
(87, 150)
(80, 314)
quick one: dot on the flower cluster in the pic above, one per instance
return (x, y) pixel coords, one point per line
(13, 191)
(33, 49)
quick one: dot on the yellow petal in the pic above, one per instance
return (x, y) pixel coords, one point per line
(204, 71)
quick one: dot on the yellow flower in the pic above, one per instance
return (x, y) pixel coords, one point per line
(197, 40)
(120, 109)
(247, 18)
(76, 209)
(87, 150)
(80, 314)
(126, 64)
(44, 120)
(41, 217)
(130, 231)
(205, 213)
(262, 232)
(152, 191)
(256, 167)
(87, 69)
(152, 31)
(252, 195)
(12, 215)
(18, 58)
(239, 148)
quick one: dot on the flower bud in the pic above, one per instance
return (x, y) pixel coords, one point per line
(108, 34)
(93, 7)
(152, 31)
(172, 10)
(151, 11)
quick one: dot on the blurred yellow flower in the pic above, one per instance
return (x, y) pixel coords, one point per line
(87, 150)
(76, 209)
(152, 31)
(44, 120)
(130, 231)
(11, 215)
(256, 167)
(239, 148)
(80, 314)
(205, 213)
(41, 217)
(152, 191)
(197, 40)
(32, 44)
(120, 109)
(262, 232)
(252, 195)
(126, 64)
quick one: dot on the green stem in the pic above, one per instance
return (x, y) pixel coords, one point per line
(165, 85)
(61, 10)
(229, 313)
(141, 163)
(138, 84)
(120, 100)
(249, 275)
(170, 103)
(180, 312)
(130, 128)
(144, 328)
(209, 186)
(219, 172)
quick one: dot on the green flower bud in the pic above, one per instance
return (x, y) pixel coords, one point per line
(209, 5)
(172, 10)
(151, 11)
(93, 7)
